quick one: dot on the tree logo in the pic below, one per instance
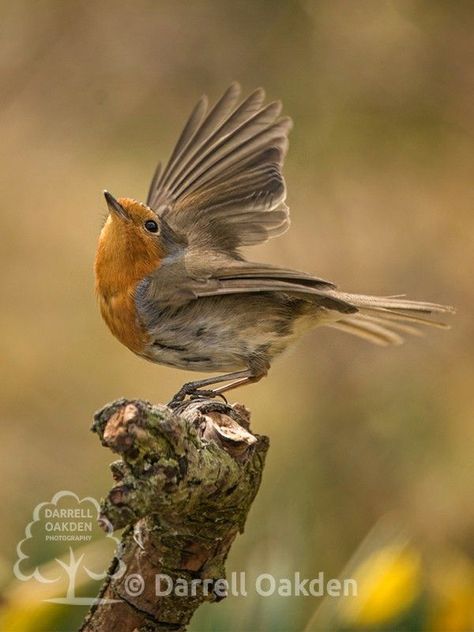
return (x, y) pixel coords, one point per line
(65, 530)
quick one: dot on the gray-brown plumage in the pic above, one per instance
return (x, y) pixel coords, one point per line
(188, 298)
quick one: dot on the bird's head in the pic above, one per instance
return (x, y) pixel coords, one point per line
(130, 243)
(133, 221)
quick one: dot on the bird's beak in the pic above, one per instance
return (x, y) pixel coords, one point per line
(114, 206)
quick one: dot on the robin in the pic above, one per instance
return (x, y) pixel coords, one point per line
(171, 281)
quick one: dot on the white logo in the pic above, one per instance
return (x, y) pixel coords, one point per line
(66, 520)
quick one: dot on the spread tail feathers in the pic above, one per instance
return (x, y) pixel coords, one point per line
(384, 320)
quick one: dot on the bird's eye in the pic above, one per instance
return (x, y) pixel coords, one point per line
(151, 226)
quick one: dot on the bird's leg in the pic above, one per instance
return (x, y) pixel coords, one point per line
(251, 379)
(195, 387)
(237, 378)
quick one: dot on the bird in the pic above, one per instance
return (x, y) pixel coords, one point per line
(171, 280)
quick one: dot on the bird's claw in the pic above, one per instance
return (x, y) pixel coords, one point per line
(196, 393)
(203, 394)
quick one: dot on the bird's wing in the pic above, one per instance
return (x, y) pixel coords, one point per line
(222, 187)
(179, 282)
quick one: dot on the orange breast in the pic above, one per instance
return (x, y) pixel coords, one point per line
(124, 257)
(120, 314)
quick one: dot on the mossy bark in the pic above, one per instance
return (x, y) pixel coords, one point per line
(184, 486)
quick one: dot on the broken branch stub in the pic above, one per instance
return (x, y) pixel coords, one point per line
(183, 488)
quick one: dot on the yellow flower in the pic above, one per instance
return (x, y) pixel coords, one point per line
(388, 583)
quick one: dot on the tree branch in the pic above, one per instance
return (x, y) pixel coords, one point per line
(184, 486)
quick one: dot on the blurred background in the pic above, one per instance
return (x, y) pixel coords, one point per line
(379, 178)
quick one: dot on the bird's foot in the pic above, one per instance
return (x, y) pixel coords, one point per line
(206, 394)
(189, 390)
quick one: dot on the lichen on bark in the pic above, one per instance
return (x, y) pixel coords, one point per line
(183, 488)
